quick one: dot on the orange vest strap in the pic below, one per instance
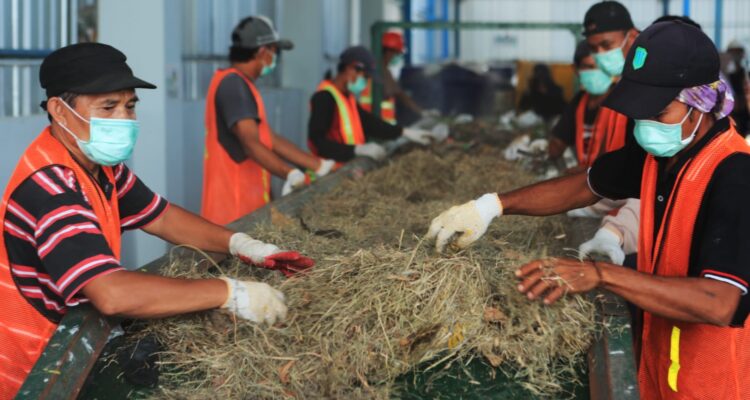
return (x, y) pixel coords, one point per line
(350, 127)
(680, 359)
(231, 189)
(24, 332)
(608, 133)
(387, 105)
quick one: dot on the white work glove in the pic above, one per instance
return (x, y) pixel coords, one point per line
(419, 136)
(243, 246)
(470, 220)
(440, 132)
(295, 179)
(254, 301)
(372, 150)
(584, 212)
(326, 166)
(604, 242)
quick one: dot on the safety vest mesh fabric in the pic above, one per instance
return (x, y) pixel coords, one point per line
(387, 105)
(607, 135)
(231, 189)
(680, 360)
(350, 127)
(24, 332)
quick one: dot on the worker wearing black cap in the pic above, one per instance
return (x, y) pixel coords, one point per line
(580, 125)
(689, 168)
(339, 128)
(70, 198)
(242, 150)
(610, 32)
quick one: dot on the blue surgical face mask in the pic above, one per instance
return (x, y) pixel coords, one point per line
(396, 60)
(111, 141)
(357, 86)
(267, 69)
(594, 81)
(663, 140)
(612, 61)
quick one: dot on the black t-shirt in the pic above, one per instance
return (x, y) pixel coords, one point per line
(566, 126)
(234, 102)
(323, 110)
(721, 238)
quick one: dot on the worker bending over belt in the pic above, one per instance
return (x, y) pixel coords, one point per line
(70, 198)
(689, 169)
(242, 150)
(339, 128)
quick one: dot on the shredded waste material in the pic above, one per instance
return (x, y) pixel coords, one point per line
(380, 302)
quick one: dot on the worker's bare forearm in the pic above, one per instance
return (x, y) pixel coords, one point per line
(698, 300)
(140, 295)
(247, 131)
(288, 151)
(550, 197)
(409, 102)
(182, 227)
(267, 159)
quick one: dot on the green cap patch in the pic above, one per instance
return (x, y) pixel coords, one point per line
(639, 58)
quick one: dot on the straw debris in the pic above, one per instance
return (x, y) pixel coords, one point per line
(380, 302)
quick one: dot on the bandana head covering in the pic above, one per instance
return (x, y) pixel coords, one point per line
(716, 98)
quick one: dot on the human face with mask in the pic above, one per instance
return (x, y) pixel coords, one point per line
(267, 56)
(592, 79)
(356, 79)
(609, 49)
(98, 129)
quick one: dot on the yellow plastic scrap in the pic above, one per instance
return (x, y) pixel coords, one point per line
(457, 337)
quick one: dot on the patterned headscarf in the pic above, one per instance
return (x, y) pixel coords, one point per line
(716, 98)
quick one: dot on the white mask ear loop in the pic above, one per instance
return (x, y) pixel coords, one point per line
(74, 111)
(65, 128)
(690, 138)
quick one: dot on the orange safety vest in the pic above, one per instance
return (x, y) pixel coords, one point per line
(608, 134)
(24, 332)
(681, 360)
(231, 189)
(387, 106)
(348, 130)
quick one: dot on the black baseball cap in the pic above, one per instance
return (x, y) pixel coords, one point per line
(665, 58)
(256, 31)
(87, 68)
(607, 16)
(360, 56)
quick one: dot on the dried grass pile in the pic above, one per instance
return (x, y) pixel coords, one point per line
(380, 303)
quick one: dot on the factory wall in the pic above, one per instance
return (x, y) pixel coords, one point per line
(559, 45)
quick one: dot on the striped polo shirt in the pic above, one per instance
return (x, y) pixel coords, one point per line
(54, 241)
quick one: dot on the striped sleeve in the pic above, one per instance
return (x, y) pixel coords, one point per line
(51, 217)
(139, 206)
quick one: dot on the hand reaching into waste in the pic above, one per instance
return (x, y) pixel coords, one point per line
(295, 179)
(470, 221)
(254, 301)
(419, 136)
(267, 255)
(552, 278)
(372, 150)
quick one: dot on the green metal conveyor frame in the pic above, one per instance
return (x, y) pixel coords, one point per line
(378, 28)
(62, 369)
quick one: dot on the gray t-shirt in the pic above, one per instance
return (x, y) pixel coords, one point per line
(234, 102)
